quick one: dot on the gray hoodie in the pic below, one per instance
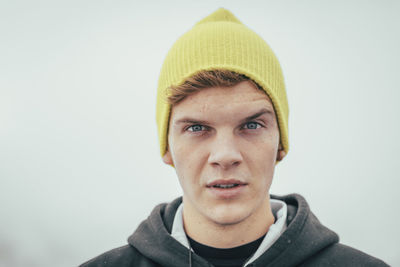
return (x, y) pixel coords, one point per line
(306, 242)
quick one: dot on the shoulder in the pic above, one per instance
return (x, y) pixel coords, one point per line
(341, 255)
(123, 256)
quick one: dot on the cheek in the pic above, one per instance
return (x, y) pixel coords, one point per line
(190, 164)
(185, 158)
(264, 156)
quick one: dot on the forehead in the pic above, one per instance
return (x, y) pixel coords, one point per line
(241, 97)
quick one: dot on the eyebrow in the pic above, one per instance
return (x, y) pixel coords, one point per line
(249, 118)
(259, 114)
(191, 121)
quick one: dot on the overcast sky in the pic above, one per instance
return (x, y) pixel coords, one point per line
(79, 160)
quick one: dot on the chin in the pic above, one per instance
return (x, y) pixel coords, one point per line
(226, 216)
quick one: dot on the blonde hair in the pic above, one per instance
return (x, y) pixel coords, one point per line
(206, 79)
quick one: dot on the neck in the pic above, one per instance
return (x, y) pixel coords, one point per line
(214, 234)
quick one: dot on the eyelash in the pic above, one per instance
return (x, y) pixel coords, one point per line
(190, 128)
(252, 122)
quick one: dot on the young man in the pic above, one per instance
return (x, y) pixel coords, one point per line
(222, 117)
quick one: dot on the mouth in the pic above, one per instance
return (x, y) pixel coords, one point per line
(225, 184)
(227, 189)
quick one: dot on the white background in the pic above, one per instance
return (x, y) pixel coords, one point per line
(79, 160)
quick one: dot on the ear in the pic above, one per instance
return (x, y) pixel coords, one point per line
(281, 153)
(167, 158)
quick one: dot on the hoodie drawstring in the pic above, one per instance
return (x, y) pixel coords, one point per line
(190, 257)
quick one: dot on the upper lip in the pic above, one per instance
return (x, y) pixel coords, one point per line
(225, 181)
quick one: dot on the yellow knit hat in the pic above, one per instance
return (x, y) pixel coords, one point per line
(221, 41)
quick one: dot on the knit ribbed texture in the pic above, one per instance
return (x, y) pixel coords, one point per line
(221, 41)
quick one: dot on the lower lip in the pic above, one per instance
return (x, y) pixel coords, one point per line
(227, 193)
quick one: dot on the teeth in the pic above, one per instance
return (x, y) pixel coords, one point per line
(225, 185)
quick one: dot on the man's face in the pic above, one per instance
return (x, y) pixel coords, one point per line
(223, 143)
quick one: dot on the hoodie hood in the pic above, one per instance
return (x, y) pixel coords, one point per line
(304, 237)
(154, 241)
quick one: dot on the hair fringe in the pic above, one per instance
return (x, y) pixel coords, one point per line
(205, 79)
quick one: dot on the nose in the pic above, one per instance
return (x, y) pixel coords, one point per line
(224, 151)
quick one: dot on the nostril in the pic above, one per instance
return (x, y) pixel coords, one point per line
(226, 164)
(235, 163)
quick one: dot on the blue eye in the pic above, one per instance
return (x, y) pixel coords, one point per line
(252, 125)
(196, 128)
